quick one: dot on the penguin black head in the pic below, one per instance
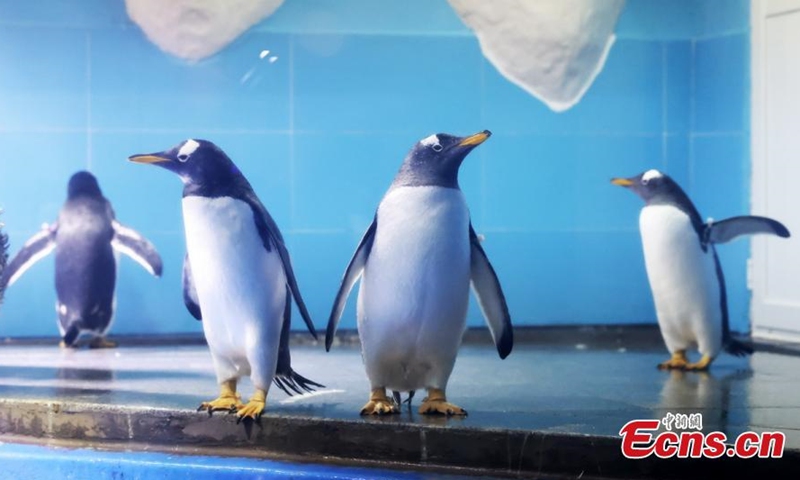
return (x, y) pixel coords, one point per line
(435, 160)
(653, 187)
(83, 184)
(199, 163)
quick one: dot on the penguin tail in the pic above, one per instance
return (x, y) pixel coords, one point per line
(291, 381)
(738, 348)
(71, 334)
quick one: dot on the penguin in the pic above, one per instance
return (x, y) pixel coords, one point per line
(684, 270)
(416, 262)
(3, 257)
(237, 277)
(85, 237)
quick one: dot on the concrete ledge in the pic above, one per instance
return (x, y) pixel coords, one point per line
(496, 452)
(552, 409)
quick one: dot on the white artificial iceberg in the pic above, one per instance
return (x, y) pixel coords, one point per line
(553, 49)
(196, 29)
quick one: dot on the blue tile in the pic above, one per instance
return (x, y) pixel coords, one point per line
(144, 302)
(721, 84)
(358, 16)
(563, 182)
(33, 178)
(43, 78)
(29, 304)
(719, 182)
(625, 97)
(64, 13)
(151, 197)
(570, 277)
(733, 258)
(678, 71)
(340, 179)
(646, 19)
(387, 83)
(722, 17)
(319, 261)
(135, 85)
(677, 159)
(33, 185)
(472, 180)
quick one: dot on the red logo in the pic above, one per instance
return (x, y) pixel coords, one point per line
(640, 440)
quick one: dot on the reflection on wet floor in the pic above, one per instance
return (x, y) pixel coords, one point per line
(557, 389)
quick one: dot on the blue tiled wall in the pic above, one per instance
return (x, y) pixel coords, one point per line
(321, 132)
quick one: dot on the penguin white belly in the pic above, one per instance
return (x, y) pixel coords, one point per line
(414, 293)
(240, 287)
(683, 280)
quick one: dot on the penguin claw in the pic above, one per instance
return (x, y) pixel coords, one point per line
(224, 403)
(253, 410)
(379, 403)
(380, 407)
(670, 365)
(699, 366)
(438, 406)
(100, 342)
(677, 361)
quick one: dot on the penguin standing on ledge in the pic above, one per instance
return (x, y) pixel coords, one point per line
(84, 238)
(3, 257)
(684, 271)
(417, 260)
(237, 276)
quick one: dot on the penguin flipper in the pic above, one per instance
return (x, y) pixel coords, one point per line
(351, 275)
(285, 378)
(271, 235)
(726, 230)
(490, 297)
(189, 291)
(36, 248)
(128, 241)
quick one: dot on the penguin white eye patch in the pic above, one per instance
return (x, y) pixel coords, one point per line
(187, 149)
(649, 175)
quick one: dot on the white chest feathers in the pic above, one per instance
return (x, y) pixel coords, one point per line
(238, 282)
(682, 277)
(417, 276)
(422, 229)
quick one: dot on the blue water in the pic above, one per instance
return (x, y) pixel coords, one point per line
(34, 462)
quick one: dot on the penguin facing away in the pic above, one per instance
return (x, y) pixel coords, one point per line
(416, 263)
(684, 270)
(237, 276)
(84, 237)
(3, 258)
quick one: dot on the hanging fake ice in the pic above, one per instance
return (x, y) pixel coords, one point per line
(196, 29)
(553, 49)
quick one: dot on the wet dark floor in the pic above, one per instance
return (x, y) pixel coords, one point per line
(573, 388)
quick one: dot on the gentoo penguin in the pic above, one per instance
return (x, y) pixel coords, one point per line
(416, 262)
(684, 271)
(84, 238)
(3, 257)
(237, 276)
